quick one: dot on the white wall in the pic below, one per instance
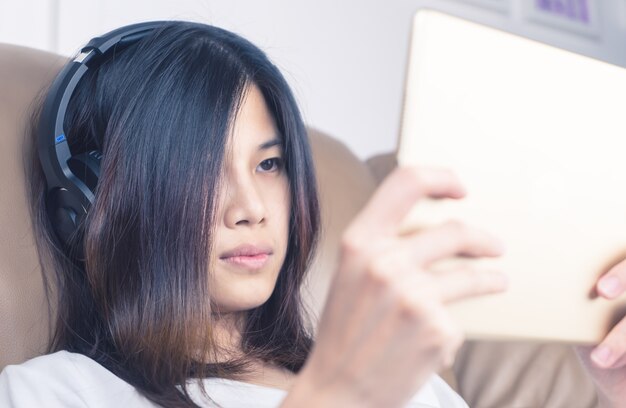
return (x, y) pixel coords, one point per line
(344, 58)
(28, 22)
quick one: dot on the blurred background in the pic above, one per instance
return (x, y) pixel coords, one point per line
(345, 59)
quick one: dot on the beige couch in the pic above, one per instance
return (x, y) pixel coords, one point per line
(488, 375)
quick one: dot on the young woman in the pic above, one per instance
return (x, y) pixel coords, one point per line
(181, 286)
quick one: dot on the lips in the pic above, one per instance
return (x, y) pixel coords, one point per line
(247, 256)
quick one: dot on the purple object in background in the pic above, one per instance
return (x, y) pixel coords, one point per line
(575, 10)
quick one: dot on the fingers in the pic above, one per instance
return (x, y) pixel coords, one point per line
(446, 285)
(452, 239)
(611, 353)
(398, 193)
(466, 282)
(613, 283)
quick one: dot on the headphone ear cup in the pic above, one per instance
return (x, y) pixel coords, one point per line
(65, 210)
(64, 215)
(86, 166)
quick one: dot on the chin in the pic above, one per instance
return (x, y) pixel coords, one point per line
(242, 296)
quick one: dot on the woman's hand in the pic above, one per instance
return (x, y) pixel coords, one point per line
(606, 363)
(385, 329)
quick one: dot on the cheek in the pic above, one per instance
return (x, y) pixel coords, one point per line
(278, 204)
(281, 207)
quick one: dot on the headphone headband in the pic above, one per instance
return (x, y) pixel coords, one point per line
(66, 191)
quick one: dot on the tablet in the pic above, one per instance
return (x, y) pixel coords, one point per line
(538, 137)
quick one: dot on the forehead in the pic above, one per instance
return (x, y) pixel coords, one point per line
(254, 123)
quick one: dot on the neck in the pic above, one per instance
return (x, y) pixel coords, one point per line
(227, 330)
(227, 334)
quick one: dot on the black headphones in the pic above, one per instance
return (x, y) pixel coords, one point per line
(71, 180)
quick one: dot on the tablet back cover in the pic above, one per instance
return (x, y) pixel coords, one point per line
(538, 137)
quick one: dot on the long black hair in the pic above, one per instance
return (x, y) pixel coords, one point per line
(161, 112)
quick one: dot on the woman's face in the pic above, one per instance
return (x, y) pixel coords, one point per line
(253, 211)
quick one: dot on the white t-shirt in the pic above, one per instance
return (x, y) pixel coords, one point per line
(64, 379)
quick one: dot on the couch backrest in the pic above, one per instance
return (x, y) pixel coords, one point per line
(23, 310)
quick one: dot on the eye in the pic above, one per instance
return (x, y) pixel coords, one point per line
(270, 165)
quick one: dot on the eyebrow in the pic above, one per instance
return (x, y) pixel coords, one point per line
(270, 143)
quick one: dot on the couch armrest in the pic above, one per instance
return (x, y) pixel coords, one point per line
(522, 374)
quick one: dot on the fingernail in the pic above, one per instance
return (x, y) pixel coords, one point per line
(602, 356)
(610, 286)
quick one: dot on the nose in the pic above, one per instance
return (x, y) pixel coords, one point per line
(243, 204)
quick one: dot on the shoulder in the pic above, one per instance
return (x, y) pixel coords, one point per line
(65, 379)
(436, 393)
